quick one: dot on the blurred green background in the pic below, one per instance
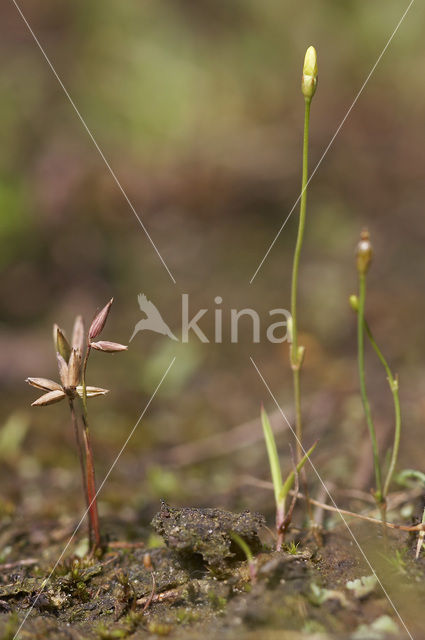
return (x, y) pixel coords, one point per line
(197, 108)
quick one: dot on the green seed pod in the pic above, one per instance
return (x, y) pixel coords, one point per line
(310, 73)
(300, 355)
(364, 253)
(354, 302)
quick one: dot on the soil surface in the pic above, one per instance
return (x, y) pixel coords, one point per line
(199, 584)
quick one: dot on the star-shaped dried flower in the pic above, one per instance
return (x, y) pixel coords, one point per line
(69, 364)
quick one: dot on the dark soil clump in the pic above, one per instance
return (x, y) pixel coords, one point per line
(208, 532)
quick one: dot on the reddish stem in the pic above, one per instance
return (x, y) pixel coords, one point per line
(91, 481)
(79, 447)
(91, 492)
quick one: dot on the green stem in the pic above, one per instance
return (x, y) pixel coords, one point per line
(296, 355)
(393, 383)
(366, 405)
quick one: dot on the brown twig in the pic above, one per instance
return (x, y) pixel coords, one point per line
(27, 562)
(345, 512)
(418, 527)
(117, 544)
(159, 597)
(152, 595)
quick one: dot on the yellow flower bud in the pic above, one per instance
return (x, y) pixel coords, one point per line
(309, 77)
(310, 62)
(364, 253)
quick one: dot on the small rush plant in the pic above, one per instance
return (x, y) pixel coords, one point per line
(363, 260)
(72, 359)
(364, 256)
(296, 351)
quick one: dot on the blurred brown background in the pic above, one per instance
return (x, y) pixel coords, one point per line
(197, 107)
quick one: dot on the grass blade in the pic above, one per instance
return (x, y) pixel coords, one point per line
(272, 453)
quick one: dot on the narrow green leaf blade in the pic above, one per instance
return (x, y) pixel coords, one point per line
(410, 474)
(272, 453)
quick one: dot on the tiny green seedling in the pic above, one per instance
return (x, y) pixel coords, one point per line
(292, 548)
(281, 488)
(72, 372)
(364, 258)
(248, 554)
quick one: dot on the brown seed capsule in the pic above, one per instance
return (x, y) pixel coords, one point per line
(44, 383)
(99, 321)
(61, 343)
(147, 561)
(108, 347)
(49, 398)
(74, 368)
(364, 253)
(78, 334)
(63, 370)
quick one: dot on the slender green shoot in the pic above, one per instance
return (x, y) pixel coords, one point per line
(308, 87)
(393, 384)
(281, 488)
(364, 257)
(394, 388)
